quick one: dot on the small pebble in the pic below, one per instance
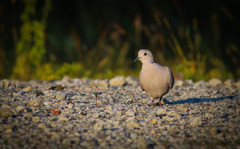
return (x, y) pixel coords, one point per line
(63, 118)
(129, 113)
(27, 89)
(20, 109)
(35, 102)
(196, 121)
(61, 96)
(161, 111)
(36, 119)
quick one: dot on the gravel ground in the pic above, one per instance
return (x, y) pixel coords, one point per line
(83, 113)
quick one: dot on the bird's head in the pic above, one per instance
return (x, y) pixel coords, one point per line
(144, 55)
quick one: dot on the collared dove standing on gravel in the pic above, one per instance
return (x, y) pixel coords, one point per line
(154, 78)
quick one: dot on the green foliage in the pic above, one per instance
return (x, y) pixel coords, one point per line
(104, 50)
(191, 69)
(51, 72)
(30, 49)
(193, 58)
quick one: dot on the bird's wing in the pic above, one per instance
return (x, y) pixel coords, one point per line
(171, 80)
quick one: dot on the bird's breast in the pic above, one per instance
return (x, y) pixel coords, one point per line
(154, 80)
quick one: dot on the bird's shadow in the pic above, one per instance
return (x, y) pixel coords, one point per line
(197, 100)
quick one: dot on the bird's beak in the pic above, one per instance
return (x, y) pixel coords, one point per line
(137, 59)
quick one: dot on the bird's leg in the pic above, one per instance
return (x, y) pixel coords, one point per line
(160, 101)
(152, 101)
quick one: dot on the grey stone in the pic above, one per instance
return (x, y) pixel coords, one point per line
(161, 111)
(228, 82)
(5, 112)
(63, 118)
(196, 121)
(117, 81)
(20, 109)
(128, 101)
(214, 82)
(129, 113)
(178, 83)
(36, 119)
(35, 102)
(5, 83)
(131, 80)
(103, 84)
(61, 96)
(27, 89)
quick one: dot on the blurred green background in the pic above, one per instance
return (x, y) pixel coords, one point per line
(49, 39)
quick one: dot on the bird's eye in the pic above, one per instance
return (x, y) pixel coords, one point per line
(145, 54)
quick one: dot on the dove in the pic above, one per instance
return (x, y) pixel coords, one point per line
(155, 79)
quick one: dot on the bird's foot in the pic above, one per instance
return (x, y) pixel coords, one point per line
(158, 104)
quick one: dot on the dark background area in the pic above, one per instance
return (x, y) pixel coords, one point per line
(100, 39)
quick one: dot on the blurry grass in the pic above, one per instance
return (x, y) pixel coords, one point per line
(180, 46)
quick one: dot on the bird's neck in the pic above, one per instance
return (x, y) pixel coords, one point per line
(147, 62)
(146, 65)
